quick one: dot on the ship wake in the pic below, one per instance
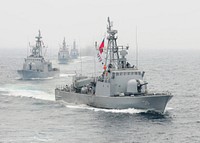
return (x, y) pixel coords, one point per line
(121, 111)
(20, 92)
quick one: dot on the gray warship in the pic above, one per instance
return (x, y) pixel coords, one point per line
(121, 86)
(63, 54)
(74, 51)
(35, 66)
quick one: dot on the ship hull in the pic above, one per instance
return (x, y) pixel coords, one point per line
(28, 74)
(150, 102)
(74, 57)
(63, 61)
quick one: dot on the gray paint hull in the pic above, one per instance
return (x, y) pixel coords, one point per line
(63, 61)
(149, 102)
(28, 74)
(74, 57)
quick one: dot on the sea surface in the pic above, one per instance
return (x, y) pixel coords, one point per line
(30, 114)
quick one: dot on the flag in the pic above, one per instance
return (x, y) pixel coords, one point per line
(101, 47)
(99, 57)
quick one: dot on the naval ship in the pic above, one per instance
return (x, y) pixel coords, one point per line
(63, 54)
(74, 51)
(121, 86)
(35, 66)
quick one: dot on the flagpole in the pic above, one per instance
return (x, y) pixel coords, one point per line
(95, 59)
(136, 43)
(27, 50)
(80, 59)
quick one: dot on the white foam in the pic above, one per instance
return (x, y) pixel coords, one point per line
(67, 75)
(19, 78)
(42, 78)
(27, 93)
(63, 75)
(168, 108)
(128, 111)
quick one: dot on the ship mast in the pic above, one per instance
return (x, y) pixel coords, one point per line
(64, 44)
(74, 44)
(37, 50)
(112, 55)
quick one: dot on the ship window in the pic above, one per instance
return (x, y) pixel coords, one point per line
(117, 74)
(139, 73)
(131, 73)
(120, 73)
(135, 73)
(113, 75)
(128, 73)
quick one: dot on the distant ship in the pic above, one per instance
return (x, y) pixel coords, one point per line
(74, 51)
(121, 86)
(63, 54)
(35, 66)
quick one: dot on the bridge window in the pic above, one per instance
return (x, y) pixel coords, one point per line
(113, 75)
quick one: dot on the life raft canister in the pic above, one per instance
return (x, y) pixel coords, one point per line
(104, 67)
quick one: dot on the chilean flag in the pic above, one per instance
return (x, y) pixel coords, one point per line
(101, 47)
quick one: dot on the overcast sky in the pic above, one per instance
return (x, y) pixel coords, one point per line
(169, 24)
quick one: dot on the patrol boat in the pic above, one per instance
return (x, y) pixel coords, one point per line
(63, 54)
(121, 86)
(35, 66)
(74, 51)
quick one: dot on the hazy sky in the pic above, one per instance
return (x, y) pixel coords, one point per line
(172, 24)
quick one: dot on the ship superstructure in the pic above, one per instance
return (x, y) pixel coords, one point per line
(74, 51)
(35, 66)
(120, 86)
(63, 54)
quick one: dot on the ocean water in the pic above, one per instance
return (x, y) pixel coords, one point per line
(30, 114)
